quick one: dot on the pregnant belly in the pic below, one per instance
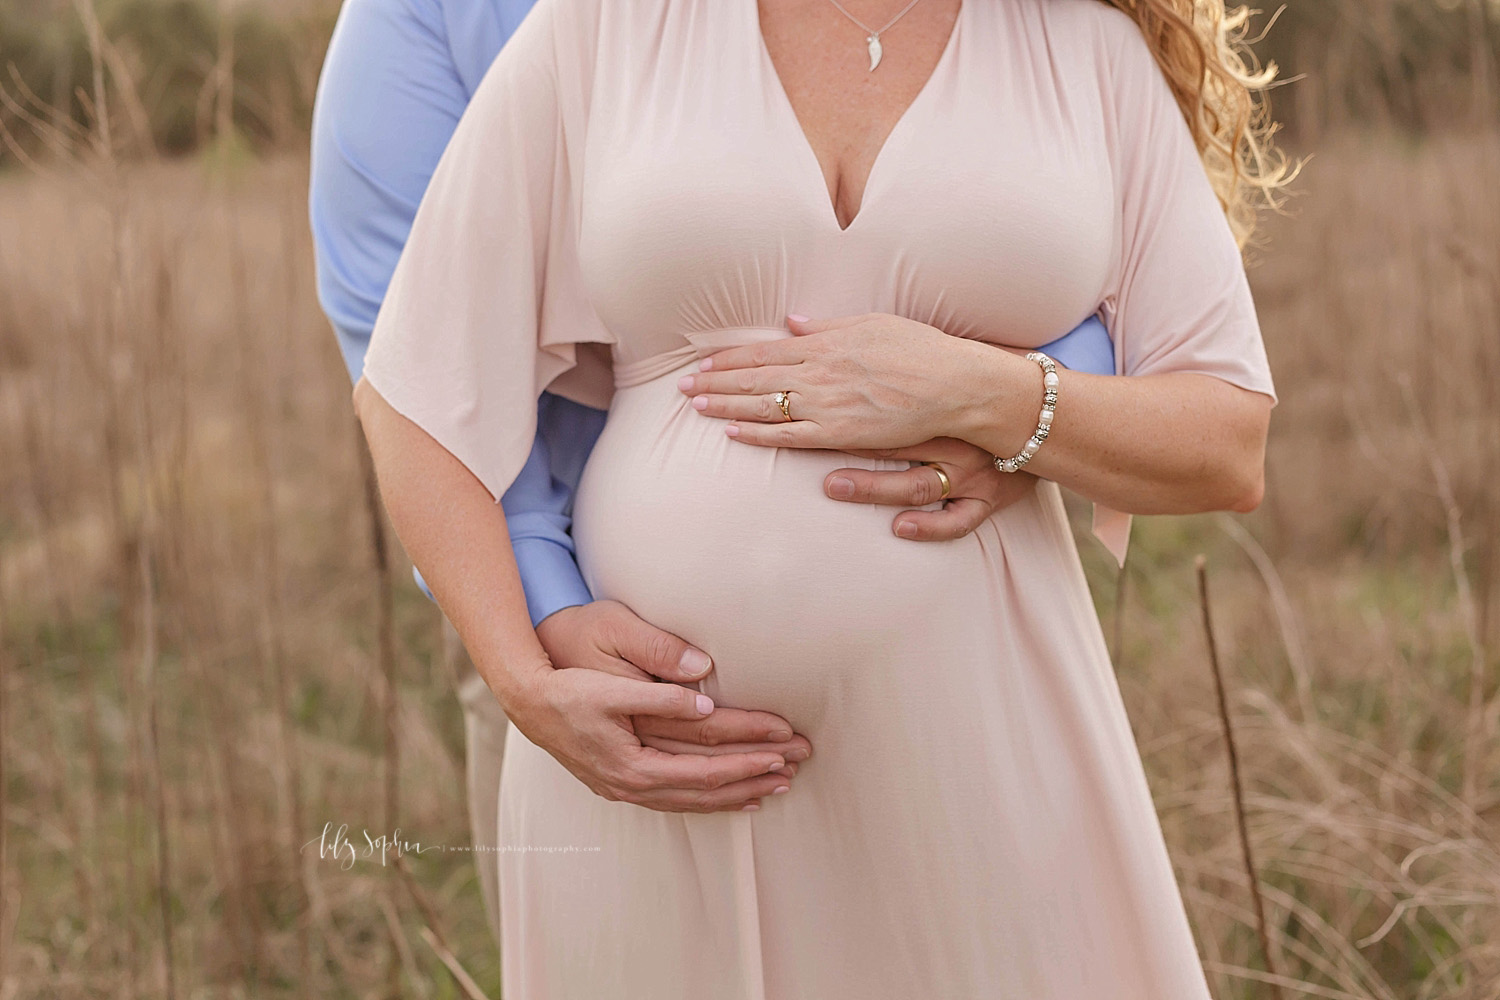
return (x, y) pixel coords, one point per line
(737, 549)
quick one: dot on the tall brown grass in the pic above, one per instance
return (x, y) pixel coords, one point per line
(241, 476)
(207, 652)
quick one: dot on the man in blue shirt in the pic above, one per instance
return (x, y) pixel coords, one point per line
(398, 75)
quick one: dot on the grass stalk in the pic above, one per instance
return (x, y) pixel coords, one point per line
(1236, 783)
(432, 933)
(1475, 740)
(385, 625)
(1117, 627)
(271, 624)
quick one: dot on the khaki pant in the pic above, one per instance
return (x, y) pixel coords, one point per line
(484, 741)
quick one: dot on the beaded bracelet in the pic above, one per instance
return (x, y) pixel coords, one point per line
(1044, 422)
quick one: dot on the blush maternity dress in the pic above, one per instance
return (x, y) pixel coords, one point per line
(629, 191)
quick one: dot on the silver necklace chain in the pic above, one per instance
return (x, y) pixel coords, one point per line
(872, 37)
(867, 29)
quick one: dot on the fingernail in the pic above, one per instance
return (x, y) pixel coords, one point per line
(695, 662)
(705, 364)
(906, 529)
(700, 402)
(752, 807)
(781, 789)
(799, 319)
(777, 766)
(841, 488)
(732, 430)
(798, 754)
(705, 704)
(685, 383)
(780, 735)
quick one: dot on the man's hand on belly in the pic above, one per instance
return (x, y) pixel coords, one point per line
(608, 637)
(977, 488)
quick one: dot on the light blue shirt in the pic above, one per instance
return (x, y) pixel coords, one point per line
(396, 79)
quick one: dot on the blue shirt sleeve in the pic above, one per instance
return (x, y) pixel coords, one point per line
(1086, 348)
(542, 501)
(389, 98)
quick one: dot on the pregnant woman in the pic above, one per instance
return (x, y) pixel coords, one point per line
(641, 203)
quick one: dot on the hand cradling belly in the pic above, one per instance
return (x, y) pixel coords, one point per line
(737, 549)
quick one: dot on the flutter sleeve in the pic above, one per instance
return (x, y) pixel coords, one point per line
(487, 306)
(1177, 298)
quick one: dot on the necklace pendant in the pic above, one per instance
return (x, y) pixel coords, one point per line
(875, 52)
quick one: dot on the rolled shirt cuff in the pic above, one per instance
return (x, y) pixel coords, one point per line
(549, 576)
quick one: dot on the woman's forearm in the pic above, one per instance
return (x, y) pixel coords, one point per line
(1144, 444)
(1147, 444)
(456, 534)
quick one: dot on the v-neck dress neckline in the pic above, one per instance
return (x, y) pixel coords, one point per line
(787, 114)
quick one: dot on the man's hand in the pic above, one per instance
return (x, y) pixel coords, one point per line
(583, 719)
(607, 637)
(979, 489)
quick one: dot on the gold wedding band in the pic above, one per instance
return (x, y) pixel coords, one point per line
(784, 401)
(942, 477)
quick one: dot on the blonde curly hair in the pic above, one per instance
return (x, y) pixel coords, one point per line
(1220, 86)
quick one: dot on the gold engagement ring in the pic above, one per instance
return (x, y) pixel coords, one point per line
(784, 401)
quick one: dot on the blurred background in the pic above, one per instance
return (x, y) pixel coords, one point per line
(211, 650)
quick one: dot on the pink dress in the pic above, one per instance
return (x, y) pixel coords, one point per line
(629, 190)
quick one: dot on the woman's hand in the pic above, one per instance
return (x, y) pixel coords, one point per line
(978, 489)
(584, 719)
(1171, 442)
(871, 381)
(878, 385)
(609, 637)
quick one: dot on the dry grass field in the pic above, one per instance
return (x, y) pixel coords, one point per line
(208, 638)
